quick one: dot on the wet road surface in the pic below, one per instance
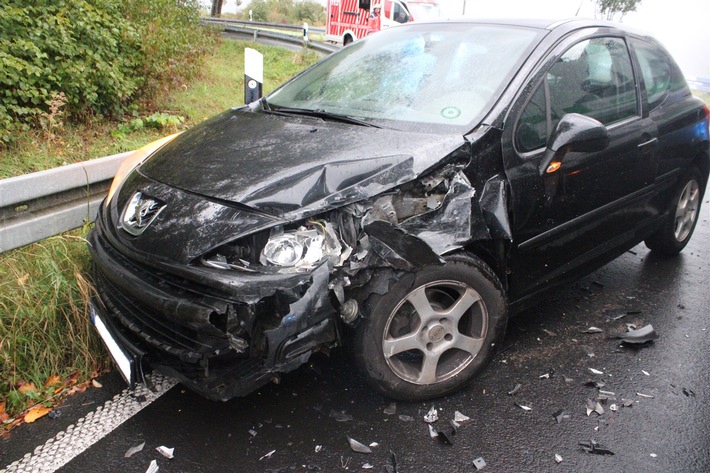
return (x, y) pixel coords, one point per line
(666, 432)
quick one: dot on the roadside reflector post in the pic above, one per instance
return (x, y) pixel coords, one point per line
(253, 75)
(305, 34)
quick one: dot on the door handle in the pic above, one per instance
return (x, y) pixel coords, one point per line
(647, 143)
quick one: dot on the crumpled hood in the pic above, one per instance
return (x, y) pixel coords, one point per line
(291, 166)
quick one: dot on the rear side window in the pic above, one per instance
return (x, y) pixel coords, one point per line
(659, 72)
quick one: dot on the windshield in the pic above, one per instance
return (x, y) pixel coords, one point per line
(424, 11)
(415, 75)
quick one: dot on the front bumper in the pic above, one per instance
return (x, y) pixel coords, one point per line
(199, 327)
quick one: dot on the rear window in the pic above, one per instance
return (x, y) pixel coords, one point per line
(659, 72)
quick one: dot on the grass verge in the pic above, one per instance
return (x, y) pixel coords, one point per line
(48, 348)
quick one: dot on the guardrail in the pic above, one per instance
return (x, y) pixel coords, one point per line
(257, 30)
(46, 203)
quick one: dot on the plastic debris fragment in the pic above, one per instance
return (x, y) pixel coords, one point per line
(607, 393)
(594, 406)
(644, 395)
(431, 416)
(133, 450)
(432, 433)
(252, 432)
(549, 332)
(613, 408)
(515, 389)
(688, 392)
(524, 405)
(558, 458)
(319, 448)
(446, 436)
(479, 463)
(561, 415)
(391, 409)
(595, 371)
(627, 403)
(367, 466)
(653, 455)
(593, 330)
(458, 417)
(646, 372)
(406, 418)
(358, 447)
(640, 336)
(374, 444)
(340, 416)
(268, 455)
(153, 467)
(593, 447)
(594, 384)
(165, 451)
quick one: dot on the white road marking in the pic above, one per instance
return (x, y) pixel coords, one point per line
(61, 449)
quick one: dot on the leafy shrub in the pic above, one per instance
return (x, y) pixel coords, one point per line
(99, 54)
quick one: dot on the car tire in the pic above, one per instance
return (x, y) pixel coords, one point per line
(678, 226)
(417, 353)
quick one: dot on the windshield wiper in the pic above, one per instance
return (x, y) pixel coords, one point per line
(320, 113)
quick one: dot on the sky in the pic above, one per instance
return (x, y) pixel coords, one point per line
(681, 25)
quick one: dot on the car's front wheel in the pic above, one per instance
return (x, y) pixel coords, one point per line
(677, 228)
(433, 331)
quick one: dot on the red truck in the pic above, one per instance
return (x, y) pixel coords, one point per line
(347, 20)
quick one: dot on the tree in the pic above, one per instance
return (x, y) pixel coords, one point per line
(615, 10)
(216, 9)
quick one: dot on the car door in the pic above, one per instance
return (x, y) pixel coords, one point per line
(572, 218)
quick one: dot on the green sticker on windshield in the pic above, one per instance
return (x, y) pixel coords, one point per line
(450, 112)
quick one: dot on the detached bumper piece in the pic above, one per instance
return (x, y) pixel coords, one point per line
(211, 342)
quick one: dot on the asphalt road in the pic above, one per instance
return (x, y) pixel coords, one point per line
(667, 432)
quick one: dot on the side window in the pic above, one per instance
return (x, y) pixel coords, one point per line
(593, 78)
(656, 72)
(399, 14)
(531, 133)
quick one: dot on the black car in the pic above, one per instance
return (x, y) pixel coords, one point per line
(404, 196)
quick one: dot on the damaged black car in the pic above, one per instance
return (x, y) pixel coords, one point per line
(404, 196)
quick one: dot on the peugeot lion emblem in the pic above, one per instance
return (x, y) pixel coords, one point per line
(139, 213)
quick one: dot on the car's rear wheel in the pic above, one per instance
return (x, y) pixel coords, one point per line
(433, 331)
(678, 227)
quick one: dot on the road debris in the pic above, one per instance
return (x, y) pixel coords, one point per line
(595, 384)
(613, 408)
(340, 416)
(446, 436)
(165, 451)
(367, 466)
(593, 330)
(561, 415)
(432, 415)
(639, 336)
(458, 417)
(547, 375)
(252, 432)
(392, 466)
(593, 447)
(358, 447)
(588, 350)
(515, 390)
(406, 418)
(479, 463)
(319, 448)
(524, 405)
(391, 409)
(432, 432)
(153, 467)
(595, 371)
(549, 332)
(133, 450)
(558, 458)
(594, 406)
(688, 392)
(268, 455)
(644, 395)
(646, 372)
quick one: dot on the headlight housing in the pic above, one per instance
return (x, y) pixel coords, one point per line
(300, 248)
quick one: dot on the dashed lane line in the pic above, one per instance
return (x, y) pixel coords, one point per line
(60, 450)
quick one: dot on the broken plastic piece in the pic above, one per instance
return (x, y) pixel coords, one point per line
(549, 332)
(406, 418)
(268, 455)
(446, 436)
(374, 444)
(431, 416)
(595, 371)
(340, 416)
(391, 409)
(358, 447)
(558, 458)
(613, 408)
(593, 330)
(133, 450)
(165, 451)
(479, 463)
(644, 395)
(639, 336)
(515, 389)
(252, 432)
(646, 372)
(607, 393)
(319, 448)
(561, 415)
(458, 417)
(153, 467)
(593, 447)
(367, 466)
(594, 384)
(524, 405)
(432, 433)
(594, 406)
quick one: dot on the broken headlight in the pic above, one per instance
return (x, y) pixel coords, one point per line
(300, 248)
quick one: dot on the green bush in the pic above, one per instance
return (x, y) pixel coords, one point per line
(97, 56)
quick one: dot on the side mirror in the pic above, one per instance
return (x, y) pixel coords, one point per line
(574, 132)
